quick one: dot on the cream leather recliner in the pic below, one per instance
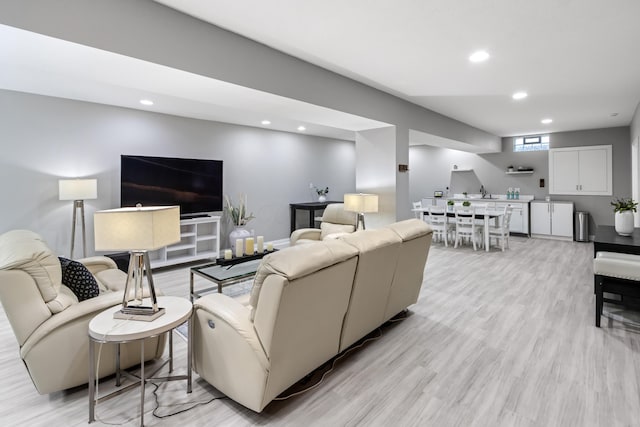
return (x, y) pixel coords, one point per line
(308, 303)
(49, 323)
(335, 223)
(293, 324)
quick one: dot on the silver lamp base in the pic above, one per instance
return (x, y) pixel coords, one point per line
(134, 310)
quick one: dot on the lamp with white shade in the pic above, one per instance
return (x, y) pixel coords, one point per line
(137, 230)
(78, 190)
(361, 203)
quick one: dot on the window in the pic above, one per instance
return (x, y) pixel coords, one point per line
(531, 143)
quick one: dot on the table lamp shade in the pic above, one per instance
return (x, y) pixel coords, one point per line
(144, 228)
(78, 189)
(361, 203)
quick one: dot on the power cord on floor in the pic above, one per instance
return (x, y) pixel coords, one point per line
(195, 404)
(399, 318)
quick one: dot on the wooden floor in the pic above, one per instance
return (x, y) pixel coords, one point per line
(496, 339)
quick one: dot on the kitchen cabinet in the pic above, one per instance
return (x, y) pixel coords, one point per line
(519, 216)
(581, 171)
(552, 219)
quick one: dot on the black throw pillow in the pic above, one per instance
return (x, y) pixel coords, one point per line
(76, 277)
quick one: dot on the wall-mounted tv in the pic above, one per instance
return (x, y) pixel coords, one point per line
(193, 184)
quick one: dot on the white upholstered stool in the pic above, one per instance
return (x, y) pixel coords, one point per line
(615, 273)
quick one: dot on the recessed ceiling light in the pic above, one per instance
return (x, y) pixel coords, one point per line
(519, 95)
(546, 121)
(146, 102)
(479, 56)
(302, 128)
(266, 122)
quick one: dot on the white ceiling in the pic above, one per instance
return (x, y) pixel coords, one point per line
(43, 65)
(579, 60)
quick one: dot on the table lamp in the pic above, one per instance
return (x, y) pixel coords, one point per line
(78, 190)
(361, 203)
(138, 230)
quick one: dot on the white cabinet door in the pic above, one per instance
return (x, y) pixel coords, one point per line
(540, 218)
(583, 171)
(564, 172)
(594, 171)
(562, 219)
(515, 225)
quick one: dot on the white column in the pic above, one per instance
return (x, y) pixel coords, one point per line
(377, 156)
(635, 176)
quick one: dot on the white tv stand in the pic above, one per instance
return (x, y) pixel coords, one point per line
(199, 239)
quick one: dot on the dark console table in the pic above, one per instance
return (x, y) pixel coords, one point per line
(609, 241)
(311, 207)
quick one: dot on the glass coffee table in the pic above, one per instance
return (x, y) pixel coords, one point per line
(222, 275)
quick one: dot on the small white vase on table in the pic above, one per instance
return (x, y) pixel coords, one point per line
(624, 218)
(322, 194)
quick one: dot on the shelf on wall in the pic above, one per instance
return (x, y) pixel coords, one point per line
(462, 170)
(518, 173)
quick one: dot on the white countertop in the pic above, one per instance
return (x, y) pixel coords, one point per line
(494, 198)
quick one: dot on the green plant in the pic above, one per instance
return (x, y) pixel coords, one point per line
(622, 204)
(450, 202)
(322, 191)
(466, 203)
(238, 213)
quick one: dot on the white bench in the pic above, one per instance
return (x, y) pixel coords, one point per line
(615, 273)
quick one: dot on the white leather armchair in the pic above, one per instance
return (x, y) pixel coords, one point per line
(49, 322)
(335, 222)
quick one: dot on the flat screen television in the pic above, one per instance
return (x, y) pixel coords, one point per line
(193, 184)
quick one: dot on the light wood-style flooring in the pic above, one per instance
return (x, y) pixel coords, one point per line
(496, 339)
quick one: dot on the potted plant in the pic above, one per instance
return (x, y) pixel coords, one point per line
(450, 204)
(624, 210)
(239, 218)
(466, 203)
(322, 194)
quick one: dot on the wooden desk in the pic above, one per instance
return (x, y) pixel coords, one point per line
(311, 207)
(608, 240)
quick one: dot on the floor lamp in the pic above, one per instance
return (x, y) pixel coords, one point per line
(361, 204)
(137, 230)
(78, 190)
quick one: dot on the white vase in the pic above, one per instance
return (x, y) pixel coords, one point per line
(322, 198)
(239, 232)
(624, 223)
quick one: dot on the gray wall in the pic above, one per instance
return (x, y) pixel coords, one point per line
(45, 138)
(430, 169)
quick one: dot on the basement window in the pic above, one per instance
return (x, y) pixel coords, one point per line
(531, 143)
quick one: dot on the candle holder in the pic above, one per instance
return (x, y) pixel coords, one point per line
(237, 260)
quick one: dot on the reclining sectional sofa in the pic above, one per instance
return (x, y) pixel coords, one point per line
(308, 304)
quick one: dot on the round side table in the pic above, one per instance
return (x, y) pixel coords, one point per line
(103, 328)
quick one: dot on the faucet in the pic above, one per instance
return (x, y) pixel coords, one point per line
(483, 191)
